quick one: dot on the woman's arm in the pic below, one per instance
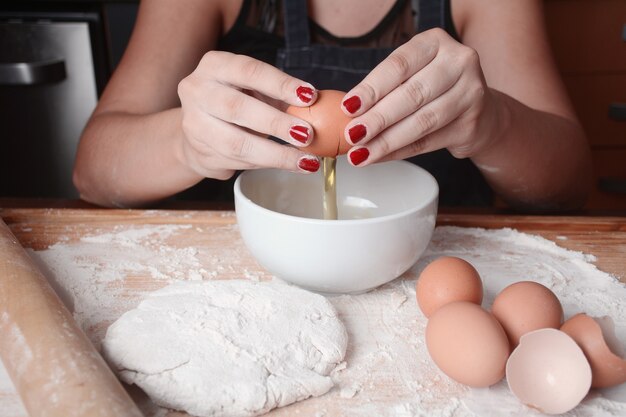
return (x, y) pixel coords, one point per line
(542, 157)
(130, 151)
(174, 113)
(496, 99)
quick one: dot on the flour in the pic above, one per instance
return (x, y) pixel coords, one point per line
(386, 366)
(94, 276)
(10, 405)
(228, 348)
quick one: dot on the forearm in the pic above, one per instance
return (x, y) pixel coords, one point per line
(539, 160)
(131, 160)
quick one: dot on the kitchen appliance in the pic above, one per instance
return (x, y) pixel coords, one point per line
(48, 88)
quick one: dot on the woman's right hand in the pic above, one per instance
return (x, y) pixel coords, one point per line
(230, 104)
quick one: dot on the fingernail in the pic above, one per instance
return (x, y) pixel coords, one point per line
(309, 163)
(356, 133)
(305, 94)
(359, 155)
(299, 133)
(352, 104)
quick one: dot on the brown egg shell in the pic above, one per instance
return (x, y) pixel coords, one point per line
(526, 306)
(328, 122)
(468, 344)
(548, 371)
(445, 280)
(608, 369)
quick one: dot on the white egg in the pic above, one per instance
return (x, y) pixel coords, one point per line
(548, 371)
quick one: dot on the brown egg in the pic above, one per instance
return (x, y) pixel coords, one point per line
(525, 306)
(328, 121)
(608, 369)
(445, 280)
(467, 344)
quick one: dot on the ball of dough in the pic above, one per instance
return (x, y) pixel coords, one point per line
(228, 348)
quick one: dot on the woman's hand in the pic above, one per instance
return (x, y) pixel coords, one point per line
(429, 94)
(230, 104)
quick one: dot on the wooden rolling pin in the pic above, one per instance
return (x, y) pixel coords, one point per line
(53, 365)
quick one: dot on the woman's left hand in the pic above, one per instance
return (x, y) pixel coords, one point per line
(429, 94)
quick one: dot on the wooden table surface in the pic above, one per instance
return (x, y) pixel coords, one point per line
(604, 237)
(39, 228)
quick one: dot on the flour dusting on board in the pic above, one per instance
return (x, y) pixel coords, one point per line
(97, 276)
(388, 371)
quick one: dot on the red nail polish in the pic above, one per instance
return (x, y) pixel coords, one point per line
(305, 94)
(359, 155)
(356, 133)
(352, 104)
(299, 133)
(309, 164)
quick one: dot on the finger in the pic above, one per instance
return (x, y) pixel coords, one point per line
(426, 85)
(434, 141)
(249, 73)
(398, 67)
(430, 118)
(254, 151)
(233, 106)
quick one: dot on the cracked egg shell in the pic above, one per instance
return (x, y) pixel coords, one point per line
(607, 367)
(328, 122)
(548, 371)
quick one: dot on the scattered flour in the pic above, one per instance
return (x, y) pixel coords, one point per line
(228, 348)
(386, 358)
(95, 275)
(350, 391)
(10, 405)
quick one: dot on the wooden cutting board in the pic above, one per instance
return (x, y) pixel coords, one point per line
(208, 243)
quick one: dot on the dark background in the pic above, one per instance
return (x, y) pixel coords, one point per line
(41, 120)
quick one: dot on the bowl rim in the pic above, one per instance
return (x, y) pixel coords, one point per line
(241, 197)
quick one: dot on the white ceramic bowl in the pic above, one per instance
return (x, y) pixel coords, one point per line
(386, 219)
